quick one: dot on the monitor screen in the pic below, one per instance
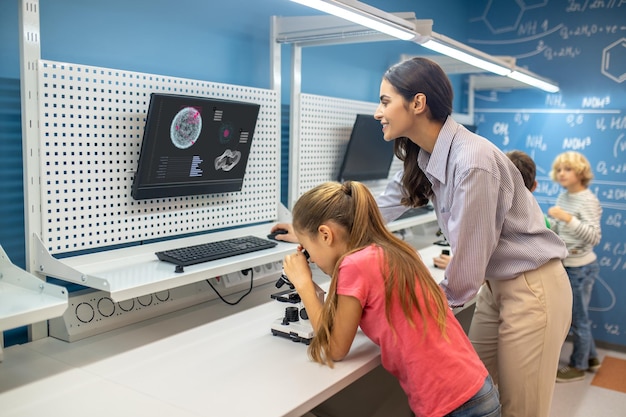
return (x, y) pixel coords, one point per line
(193, 145)
(368, 156)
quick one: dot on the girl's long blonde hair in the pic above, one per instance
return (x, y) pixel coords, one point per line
(352, 206)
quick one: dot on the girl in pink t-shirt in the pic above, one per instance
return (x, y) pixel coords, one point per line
(380, 283)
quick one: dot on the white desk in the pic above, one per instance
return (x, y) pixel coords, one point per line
(427, 254)
(135, 271)
(229, 367)
(408, 222)
(179, 365)
(25, 299)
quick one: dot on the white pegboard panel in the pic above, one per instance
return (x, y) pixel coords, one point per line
(325, 128)
(91, 127)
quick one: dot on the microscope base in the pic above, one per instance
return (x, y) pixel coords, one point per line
(299, 331)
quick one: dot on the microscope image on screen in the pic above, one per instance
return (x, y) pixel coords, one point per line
(227, 160)
(194, 145)
(186, 127)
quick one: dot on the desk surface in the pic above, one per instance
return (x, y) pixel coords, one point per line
(229, 367)
(135, 271)
(181, 364)
(25, 299)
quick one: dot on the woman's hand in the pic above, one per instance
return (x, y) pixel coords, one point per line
(442, 261)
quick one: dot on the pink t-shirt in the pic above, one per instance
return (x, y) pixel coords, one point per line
(438, 375)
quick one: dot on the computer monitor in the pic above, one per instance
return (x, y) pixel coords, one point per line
(368, 156)
(193, 145)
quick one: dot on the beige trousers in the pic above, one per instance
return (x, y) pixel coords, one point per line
(518, 329)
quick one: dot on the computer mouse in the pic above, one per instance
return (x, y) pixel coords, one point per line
(277, 232)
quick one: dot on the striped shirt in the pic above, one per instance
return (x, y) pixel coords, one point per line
(583, 232)
(494, 225)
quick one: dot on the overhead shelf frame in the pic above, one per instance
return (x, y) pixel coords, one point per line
(326, 30)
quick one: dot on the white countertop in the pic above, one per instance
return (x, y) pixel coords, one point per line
(177, 365)
(182, 364)
(135, 271)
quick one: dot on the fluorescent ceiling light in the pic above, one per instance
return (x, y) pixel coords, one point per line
(381, 21)
(534, 81)
(479, 59)
(466, 57)
(356, 12)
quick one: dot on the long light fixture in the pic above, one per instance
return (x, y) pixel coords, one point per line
(364, 15)
(533, 80)
(376, 19)
(453, 49)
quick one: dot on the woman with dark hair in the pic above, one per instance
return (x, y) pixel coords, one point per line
(495, 228)
(502, 249)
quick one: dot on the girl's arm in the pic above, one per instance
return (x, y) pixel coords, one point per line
(347, 316)
(347, 319)
(290, 236)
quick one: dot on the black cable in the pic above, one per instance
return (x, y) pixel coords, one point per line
(230, 303)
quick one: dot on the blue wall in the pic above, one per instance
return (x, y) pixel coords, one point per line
(224, 42)
(229, 42)
(581, 45)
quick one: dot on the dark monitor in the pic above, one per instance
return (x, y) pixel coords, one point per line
(368, 156)
(194, 145)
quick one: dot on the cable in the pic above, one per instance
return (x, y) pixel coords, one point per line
(230, 303)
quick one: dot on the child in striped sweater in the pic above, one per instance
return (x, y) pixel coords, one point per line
(576, 219)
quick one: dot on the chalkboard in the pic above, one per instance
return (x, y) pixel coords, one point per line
(582, 46)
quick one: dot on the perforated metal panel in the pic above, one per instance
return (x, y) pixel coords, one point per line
(91, 127)
(325, 127)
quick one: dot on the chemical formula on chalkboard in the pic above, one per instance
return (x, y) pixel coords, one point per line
(580, 44)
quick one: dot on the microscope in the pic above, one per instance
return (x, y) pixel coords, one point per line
(294, 324)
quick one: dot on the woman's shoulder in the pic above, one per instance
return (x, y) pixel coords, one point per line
(475, 151)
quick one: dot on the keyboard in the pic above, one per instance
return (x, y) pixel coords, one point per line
(205, 252)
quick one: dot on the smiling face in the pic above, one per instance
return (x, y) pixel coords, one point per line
(393, 112)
